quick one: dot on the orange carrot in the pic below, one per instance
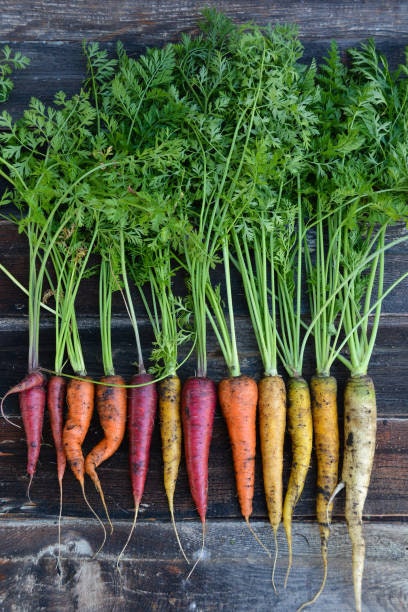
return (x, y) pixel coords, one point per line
(80, 402)
(111, 399)
(238, 397)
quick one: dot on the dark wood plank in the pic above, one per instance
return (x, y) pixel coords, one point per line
(76, 20)
(234, 573)
(37, 30)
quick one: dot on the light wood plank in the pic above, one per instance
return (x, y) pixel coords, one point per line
(234, 573)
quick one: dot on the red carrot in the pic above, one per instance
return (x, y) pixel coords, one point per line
(198, 402)
(32, 407)
(142, 408)
(56, 390)
(32, 396)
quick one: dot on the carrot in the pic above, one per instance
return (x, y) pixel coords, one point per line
(238, 397)
(32, 400)
(171, 436)
(326, 443)
(142, 408)
(300, 429)
(111, 407)
(198, 402)
(32, 407)
(56, 390)
(272, 426)
(360, 424)
(80, 401)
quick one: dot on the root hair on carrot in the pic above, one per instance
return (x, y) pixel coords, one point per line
(132, 529)
(98, 518)
(257, 538)
(200, 554)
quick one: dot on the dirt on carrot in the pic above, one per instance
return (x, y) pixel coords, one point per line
(80, 402)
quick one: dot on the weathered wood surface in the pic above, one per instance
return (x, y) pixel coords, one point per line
(52, 33)
(233, 574)
(39, 20)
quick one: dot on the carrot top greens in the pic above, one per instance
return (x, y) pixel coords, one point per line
(358, 192)
(223, 147)
(9, 62)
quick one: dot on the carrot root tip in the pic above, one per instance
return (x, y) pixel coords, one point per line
(200, 554)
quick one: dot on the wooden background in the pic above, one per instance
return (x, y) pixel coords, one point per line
(235, 574)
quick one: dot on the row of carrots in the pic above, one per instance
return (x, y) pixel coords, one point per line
(221, 150)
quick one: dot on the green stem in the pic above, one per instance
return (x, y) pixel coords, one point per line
(129, 304)
(105, 314)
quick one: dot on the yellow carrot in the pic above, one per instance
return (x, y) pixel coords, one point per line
(300, 429)
(169, 391)
(272, 426)
(326, 443)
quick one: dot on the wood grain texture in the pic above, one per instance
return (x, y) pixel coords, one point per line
(234, 573)
(41, 20)
(51, 33)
